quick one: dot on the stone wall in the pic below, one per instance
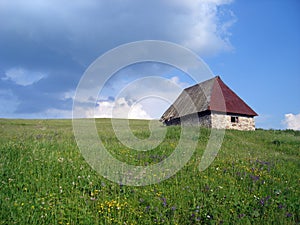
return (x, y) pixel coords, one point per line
(216, 120)
(195, 119)
(205, 121)
(221, 121)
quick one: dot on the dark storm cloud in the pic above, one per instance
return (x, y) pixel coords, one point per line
(59, 39)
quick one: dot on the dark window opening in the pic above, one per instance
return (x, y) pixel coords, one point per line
(234, 119)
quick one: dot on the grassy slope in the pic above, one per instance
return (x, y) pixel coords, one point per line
(45, 180)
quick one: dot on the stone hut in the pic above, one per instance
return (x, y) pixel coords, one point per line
(210, 104)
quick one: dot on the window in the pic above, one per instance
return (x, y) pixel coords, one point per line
(234, 119)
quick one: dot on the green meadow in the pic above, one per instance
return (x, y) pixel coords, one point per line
(255, 178)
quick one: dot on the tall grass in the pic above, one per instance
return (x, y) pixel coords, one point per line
(45, 180)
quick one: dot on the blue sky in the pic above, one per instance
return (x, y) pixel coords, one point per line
(45, 47)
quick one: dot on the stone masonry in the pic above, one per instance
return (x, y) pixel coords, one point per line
(221, 121)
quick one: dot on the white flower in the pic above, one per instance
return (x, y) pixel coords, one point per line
(60, 159)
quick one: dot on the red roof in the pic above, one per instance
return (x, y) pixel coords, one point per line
(212, 95)
(221, 94)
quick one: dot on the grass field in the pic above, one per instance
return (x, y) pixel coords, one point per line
(255, 179)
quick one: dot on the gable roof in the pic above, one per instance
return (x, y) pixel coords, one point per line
(212, 95)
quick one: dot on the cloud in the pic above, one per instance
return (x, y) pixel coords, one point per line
(85, 29)
(292, 121)
(22, 76)
(176, 81)
(206, 30)
(43, 56)
(143, 98)
(121, 108)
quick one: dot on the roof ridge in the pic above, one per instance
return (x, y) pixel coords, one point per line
(201, 82)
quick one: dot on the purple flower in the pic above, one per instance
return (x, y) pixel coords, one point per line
(241, 215)
(147, 208)
(164, 201)
(264, 200)
(254, 178)
(207, 188)
(280, 206)
(173, 208)
(288, 215)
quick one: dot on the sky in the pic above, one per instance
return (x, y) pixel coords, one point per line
(46, 46)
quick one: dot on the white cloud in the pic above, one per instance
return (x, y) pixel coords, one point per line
(144, 98)
(205, 28)
(292, 121)
(68, 95)
(121, 108)
(202, 25)
(177, 82)
(22, 76)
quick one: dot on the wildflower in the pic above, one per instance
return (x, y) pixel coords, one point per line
(60, 159)
(164, 202)
(158, 194)
(254, 178)
(241, 215)
(277, 192)
(264, 200)
(207, 188)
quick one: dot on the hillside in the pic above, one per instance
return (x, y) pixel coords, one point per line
(255, 178)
